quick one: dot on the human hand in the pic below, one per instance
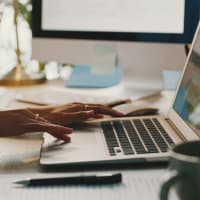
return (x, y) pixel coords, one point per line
(20, 121)
(75, 112)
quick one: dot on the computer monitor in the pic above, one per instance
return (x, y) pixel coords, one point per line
(128, 20)
(171, 21)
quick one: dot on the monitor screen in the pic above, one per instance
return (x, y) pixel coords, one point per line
(129, 20)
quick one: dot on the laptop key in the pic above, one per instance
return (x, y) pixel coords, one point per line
(135, 140)
(163, 132)
(163, 146)
(110, 137)
(123, 139)
(147, 140)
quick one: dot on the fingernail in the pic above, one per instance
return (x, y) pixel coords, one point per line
(67, 139)
(71, 129)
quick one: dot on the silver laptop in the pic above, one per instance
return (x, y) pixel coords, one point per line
(135, 139)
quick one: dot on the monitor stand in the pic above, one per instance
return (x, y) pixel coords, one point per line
(103, 72)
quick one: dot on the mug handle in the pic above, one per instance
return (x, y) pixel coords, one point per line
(174, 177)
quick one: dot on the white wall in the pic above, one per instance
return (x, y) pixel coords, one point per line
(133, 55)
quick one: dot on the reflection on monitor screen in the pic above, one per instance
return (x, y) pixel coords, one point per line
(139, 20)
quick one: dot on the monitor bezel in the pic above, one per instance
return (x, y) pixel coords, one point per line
(191, 14)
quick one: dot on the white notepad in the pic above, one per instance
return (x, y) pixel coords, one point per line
(137, 184)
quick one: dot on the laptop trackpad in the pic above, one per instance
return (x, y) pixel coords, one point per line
(85, 144)
(85, 136)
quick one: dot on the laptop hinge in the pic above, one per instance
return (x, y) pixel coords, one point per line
(178, 132)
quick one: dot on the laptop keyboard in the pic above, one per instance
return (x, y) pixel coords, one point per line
(135, 136)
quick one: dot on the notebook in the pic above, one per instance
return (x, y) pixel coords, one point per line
(135, 139)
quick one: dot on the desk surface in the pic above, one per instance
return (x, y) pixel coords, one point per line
(19, 158)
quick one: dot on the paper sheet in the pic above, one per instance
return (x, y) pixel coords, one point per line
(136, 185)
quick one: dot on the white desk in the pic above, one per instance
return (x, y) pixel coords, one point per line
(19, 158)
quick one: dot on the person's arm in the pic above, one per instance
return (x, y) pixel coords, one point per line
(50, 119)
(20, 121)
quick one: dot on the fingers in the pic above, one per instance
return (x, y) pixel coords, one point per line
(105, 110)
(99, 116)
(98, 109)
(101, 109)
(60, 132)
(57, 131)
(77, 116)
(73, 107)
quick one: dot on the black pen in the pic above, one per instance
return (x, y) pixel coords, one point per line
(73, 180)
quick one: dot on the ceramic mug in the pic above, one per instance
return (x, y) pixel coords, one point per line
(184, 172)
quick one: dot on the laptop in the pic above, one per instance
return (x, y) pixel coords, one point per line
(135, 139)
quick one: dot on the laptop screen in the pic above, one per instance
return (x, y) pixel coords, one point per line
(187, 102)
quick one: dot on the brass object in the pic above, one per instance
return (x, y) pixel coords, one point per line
(18, 76)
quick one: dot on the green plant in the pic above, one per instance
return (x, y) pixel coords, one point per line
(25, 11)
